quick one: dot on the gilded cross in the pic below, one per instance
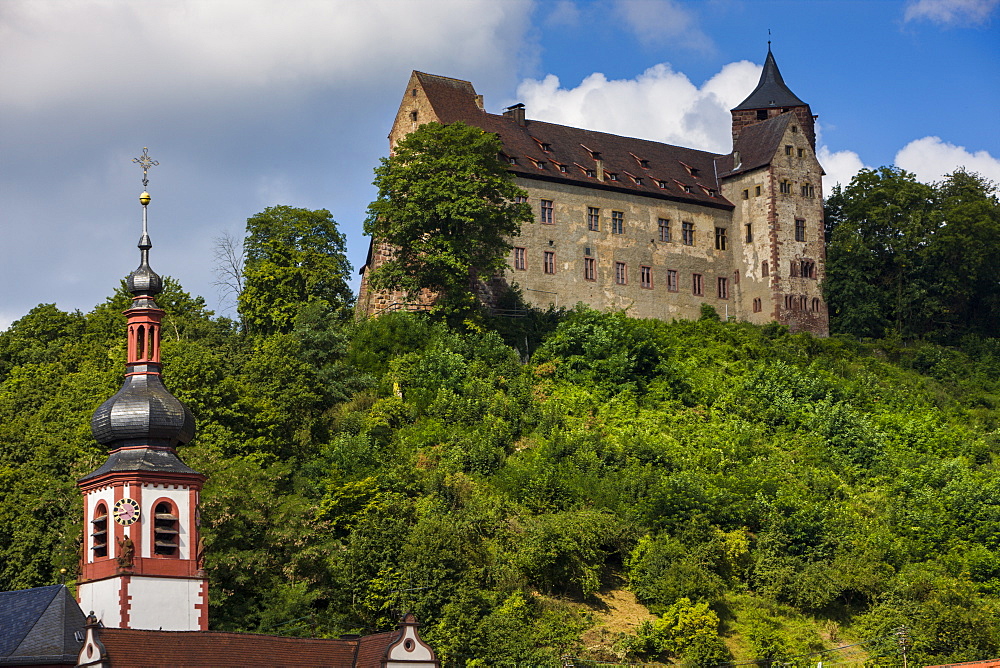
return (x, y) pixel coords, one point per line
(146, 162)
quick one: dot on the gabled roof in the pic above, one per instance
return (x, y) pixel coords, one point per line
(771, 90)
(37, 626)
(756, 145)
(540, 148)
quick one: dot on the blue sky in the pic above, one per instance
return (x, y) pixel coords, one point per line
(252, 103)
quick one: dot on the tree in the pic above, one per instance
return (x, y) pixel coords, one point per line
(293, 256)
(912, 258)
(447, 206)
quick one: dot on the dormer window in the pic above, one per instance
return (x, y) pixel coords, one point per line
(611, 176)
(586, 170)
(661, 184)
(693, 171)
(547, 148)
(562, 168)
(512, 160)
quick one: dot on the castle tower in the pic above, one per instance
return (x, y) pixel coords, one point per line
(770, 98)
(141, 564)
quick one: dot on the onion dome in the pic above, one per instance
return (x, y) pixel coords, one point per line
(142, 412)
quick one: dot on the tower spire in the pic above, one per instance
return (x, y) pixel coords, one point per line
(144, 569)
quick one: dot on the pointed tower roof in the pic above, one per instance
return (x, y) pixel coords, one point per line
(771, 90)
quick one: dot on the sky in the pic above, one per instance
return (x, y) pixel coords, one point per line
(254, 103)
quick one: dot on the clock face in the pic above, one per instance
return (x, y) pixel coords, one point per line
(126, 511)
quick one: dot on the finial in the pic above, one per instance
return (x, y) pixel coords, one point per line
(146, 162)
(769, 40)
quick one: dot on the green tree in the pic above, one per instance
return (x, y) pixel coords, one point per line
(293, 256)
(447, 206)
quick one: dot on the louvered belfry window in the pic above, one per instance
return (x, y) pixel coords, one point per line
(165, 530)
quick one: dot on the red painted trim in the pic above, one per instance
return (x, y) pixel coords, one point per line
(124, 602)
(118, 478)
(202, 606)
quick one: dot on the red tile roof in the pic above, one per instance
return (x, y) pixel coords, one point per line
(652, 162)
(139, 648)
(756, 145)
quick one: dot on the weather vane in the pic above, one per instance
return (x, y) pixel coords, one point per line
(146, 162)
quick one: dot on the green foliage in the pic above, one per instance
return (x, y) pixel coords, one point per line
(447, 206)
(913, 259)
(293, 257)
(766, 495)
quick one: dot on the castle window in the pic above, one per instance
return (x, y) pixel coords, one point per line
(546, 212)
(521, 199)
(795, 128)
(815, 304)
(549, 262)
(672, 280)
(749, 236)
(617, 222)
(808, 190)
(519, 262)
(757, 305)
(100, 531)
(413, 92)
(593, 219)
(720, 238)
(789, 302)
(165, 530)
(746, 193)
(808, 269)
(785, 187)
(687, 234)
(723, 285)
(803, 301)
(413, 116)
(794, 268)
(800, 229)
(762, 114)
(756, 191)
(788, 150)
(697, 285)
(664, 225)
(621, 273)
(646, 277)
(802, 153)
(736, 277)
(589, 269)
(764, 269)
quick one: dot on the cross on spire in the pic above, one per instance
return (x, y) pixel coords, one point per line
(146, 162)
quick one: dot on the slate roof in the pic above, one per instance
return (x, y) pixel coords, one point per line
(540, 148)
(756, 145)
(771, 90)
(142, 459)
(37, 626)
(140, 648)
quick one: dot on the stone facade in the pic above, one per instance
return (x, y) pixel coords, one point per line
(652, 229)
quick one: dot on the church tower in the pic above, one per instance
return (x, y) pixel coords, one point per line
(141, 564)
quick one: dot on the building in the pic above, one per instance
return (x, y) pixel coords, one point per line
(141, 575)
(653, 229)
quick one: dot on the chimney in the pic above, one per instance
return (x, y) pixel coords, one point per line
(516, 112)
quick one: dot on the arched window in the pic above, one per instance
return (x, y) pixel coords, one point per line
(140, 341)
(165, 530)
(763, 268)
(100, 531)
(815, 304)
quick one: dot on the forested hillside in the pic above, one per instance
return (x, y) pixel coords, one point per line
(764, 495)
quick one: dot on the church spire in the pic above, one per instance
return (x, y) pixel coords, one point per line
(142, 563)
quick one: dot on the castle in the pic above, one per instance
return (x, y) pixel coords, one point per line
(649, 228)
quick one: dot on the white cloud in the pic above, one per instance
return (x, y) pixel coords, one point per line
(564, 14)
(840, 167)
(136, 53)
(659, 104)
(657, 22)
(931, 158)
(950, 12)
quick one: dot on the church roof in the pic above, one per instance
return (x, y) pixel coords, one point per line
(37, 626)
(218, 650)
(542, 150)
(771, 90)
(148, 460)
